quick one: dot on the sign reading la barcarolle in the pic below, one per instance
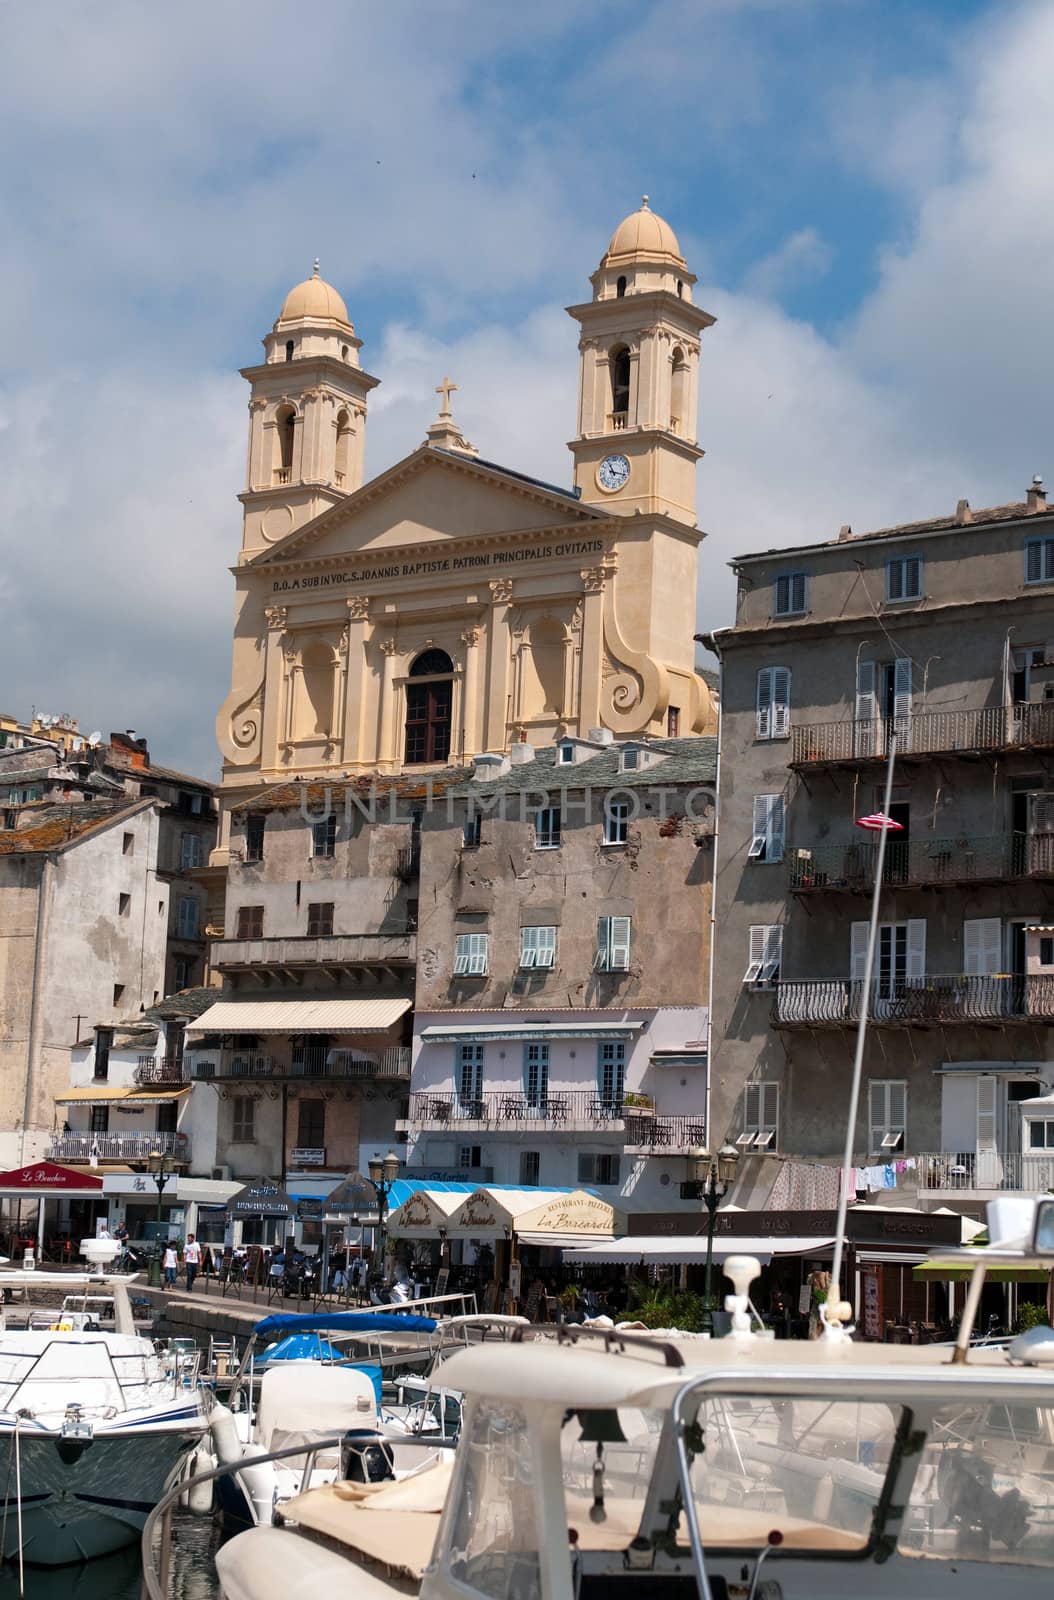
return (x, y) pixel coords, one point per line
(481, 560)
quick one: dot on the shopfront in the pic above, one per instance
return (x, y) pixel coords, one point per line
(55, 1229)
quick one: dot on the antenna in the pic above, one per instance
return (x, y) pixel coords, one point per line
(95, 738)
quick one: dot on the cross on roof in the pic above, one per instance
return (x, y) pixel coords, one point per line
(446, 389)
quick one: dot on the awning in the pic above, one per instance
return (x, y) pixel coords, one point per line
(300, 1016)
(423, 1214)
(654, 1250)
(47, 1178)
(890, 1258)
(112, 1094)
(488, 1211)
(527, 1032)
(578, 1217)
(960, 1271)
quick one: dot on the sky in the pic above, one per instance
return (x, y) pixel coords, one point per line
(862, 190)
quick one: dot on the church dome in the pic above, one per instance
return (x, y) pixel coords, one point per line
(314, 298)
(644, 232)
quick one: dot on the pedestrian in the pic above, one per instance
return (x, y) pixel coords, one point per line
(191, 1259)
(170, 1263)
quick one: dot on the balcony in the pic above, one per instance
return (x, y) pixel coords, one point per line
(117, 1146)
(922, 863)
(920, 1002)
(618, 421)
(966, 733)
(393, 1061)
(557, 1111)
(408, 862)
(984, 1172)
(393, 951)
(158, 1072)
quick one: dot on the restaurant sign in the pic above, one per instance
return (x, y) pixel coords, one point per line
(44, 1177)
(260, 1200)
(573, 1213)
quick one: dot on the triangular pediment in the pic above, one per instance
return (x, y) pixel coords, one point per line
(430, 497)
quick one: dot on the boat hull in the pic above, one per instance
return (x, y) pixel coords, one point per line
(80, 1504)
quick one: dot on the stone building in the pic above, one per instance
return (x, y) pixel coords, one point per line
(940, 631)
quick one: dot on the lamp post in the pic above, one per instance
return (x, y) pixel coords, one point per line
(708, 1181)
(161, 1167)
(383, 1173)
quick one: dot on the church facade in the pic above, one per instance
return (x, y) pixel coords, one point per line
(452, 606)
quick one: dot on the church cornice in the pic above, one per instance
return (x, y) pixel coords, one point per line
(306, 368)
(634, 309)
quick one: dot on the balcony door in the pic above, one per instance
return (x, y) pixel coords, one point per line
(536, 1074)
(900, 962)
(470, 1078)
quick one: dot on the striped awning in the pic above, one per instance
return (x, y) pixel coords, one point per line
(528, 1032)
(300, 1016)
(115, 1094)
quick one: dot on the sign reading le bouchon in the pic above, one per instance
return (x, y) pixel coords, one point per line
(482, 561)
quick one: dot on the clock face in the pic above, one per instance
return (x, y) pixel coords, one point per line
(613, 473)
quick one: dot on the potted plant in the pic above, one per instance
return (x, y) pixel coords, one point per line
(639, 1104)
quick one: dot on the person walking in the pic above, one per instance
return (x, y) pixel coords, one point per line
(191, 1259)
(170, 1263)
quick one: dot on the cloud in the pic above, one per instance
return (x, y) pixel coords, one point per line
(801, 258)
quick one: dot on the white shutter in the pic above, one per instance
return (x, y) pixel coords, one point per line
(915, 970)
(528, 946)
(1041, 813)
(477, 960)
(781, 697)
(545, 947)
(982, 946)
(877, 1113)
(461, 954)
(760, 829)
(770, 1113)
(858, 951)
(764, 704)
(773, 953)
(752, 1108)
(902, 701)
(775, 828)
(620, 940)
(865, 708)
(986, 1114)
(756, 953)
(898, 1106)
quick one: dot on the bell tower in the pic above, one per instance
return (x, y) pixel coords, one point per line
(636, 449)
(307, 416)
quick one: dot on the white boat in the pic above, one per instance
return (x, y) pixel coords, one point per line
(93, 1427)
(599, 1466)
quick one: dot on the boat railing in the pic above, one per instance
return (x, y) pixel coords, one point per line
(157, 1529)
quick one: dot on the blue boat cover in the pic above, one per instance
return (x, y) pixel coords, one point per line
(346, 1322)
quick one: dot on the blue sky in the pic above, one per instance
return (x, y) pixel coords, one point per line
(863, 191)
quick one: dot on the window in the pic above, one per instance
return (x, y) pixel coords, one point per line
(250, 922)
(187, 918)
(311, 1124)
(565, 754)
(887, 1114)
(100, 1119)
(470, 955)
(1039, 560)
(290, 346)
(791, 593)
(429, 708)
(537, 947)
(189, 851)
(124, 904)
(611, 1072)
(616, 821)
(324, 836)
(536, 1074)
(103, 1046)
(982, 946)
(470, 1059)
(319, 919)
(620, 370)
(900, 958)
(190, 802)
(118, 993)
(904, 578)
(673, 721)
(764, 955)
(613, 944)
(182, 969)
(243, 1119)
(599, 1169)
(469, 1156)
(255, 824)
(773, 703)
(761, 1108)
(629, 759)
(548, 824)
(128, 844)
(1046, 952)
(530, 1169)
(1040, 1134)
(620, 288)
(472, 832)
(766, 843)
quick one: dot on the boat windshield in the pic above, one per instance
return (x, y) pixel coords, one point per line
(494, 1533)
(984, 1490)
(811, 1470)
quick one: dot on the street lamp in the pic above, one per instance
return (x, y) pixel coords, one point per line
(161, 1167)
(708, 1180)
(383, 1173)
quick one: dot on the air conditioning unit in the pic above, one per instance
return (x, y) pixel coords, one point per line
(221, 1174)
(203, 1069)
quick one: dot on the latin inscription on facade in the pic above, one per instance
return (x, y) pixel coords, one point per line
(482, 561)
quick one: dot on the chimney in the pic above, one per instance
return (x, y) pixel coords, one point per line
(521, 752)
(1037, 496)
(963, 514)
(844, 532)
(488, 766)
(601, 736)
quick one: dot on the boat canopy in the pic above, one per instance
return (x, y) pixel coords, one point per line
(346, 1322)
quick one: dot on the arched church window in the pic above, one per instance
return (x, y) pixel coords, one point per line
(620, 289)
(285, 427)
(316, 664)
(680, 288)
(290, 346)
(679, 393)
(619, 386)
(343, 447)
(344, 352)
(429, 708)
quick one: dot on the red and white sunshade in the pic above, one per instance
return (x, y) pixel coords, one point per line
(878, 821)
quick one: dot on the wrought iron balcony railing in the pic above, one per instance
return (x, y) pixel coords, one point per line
(962, 858)
(117, 1146)
(851, 740)
(391, 1062)
(159, 1071)
(943, 1170)
(563, 1110)
(835, 1002)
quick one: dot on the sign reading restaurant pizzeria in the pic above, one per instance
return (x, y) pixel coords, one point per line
(477, 561)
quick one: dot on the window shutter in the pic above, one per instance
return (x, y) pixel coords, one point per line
(774, 828)
(752, 1107)
(1034, 561)
(461, 954)
(756, 952)
(782, 595)
(858, 951)
(916, 962)
(759, 832)
(477, 959)
(982, 946)
(902, 691)
(897, 1115)
(528, 946)
(620, 940)
(913, 577)
(781, 689)
(545, 947)
(877, 1113)
(798, 592)
(894, 588)
(773, 952)
(769, 1106)
(1042, 813)
(764, 704)
(585, 1168)
(603, 942)
(986, 1113)
(865, 707)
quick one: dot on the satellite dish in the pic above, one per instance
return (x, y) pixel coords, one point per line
(95, 738)
(45, 722)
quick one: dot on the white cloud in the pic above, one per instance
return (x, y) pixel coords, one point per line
(801, 258)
